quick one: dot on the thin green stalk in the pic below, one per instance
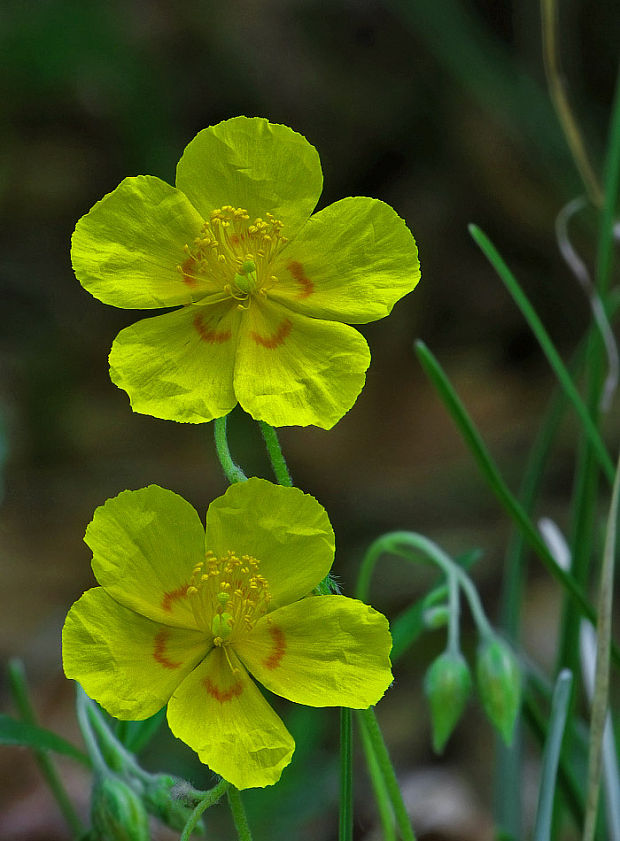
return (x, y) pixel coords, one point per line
(210, 799)
(496, 482)
(21, 698)
(536, 325)
(375, 736)
(238, 813)
(604, 260)
(276, 455)
(345, 825)
(231, 470)
(384, 807)
(551, 756)
(601, 679)
(559, 97)
(92, 746)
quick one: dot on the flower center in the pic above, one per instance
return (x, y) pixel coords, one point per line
(228, 595)
(234, 254)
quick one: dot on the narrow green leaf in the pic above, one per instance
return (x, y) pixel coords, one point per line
(491, 473)
(536, 325)
(345, 823)
(551, 756)
(14, 732)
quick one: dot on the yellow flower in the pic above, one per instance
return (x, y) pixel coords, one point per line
(173, 623)
(267, 291)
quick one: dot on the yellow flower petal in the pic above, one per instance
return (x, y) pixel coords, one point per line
(179, 366)
(145, 544)
(222, 715)
(351, 262)
(251, 163)
(322, 651)
(126, 249)
(286, 530)
(127, 663)
(295, 370)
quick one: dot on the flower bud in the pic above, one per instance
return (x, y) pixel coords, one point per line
(172, 800)
(117, 812)
(447, 685)
(436, 617)
(499, 685)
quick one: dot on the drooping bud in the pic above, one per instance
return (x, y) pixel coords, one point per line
(117, 812)
(172, 801)
(499, 685)
(447, 685)
(436, 617)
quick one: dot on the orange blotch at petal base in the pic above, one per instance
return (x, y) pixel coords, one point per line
(159, 650)
(275, 339)
(279, 647)
(223, 695)
(208, 335)
(297, 270)
(173, 596)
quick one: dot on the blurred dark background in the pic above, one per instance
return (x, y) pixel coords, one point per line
(439, 108)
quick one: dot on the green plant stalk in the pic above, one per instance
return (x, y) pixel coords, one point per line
(276, 456)
(384, 807)
(559, 97)
(21, 699)
(375, 736)
(551, 756)
(238, 814)
(601, 680)
(497, 484)
(604, 260)
(572, 788)
(231, 470)
(211, 798)
(548, 348)
(345, 824)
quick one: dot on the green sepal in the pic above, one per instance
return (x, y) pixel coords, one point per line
(172, 800)
(499, 685)
(436, 617)
(447, 685)
(117, 812)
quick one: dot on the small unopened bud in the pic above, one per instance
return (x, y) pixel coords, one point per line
(117, 812)
(436, 617)
(447, 685)
(172, 800)
(499, 685)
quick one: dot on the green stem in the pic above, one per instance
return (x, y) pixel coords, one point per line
(345, 829)
(231, 470)
(210, 799)
(548, 348)
(21, 698)
(551, 757)
(375, 736)
(382, 799)
(601, 682)
(276, 455)
(498, 486)
(393, 542)
(238, 813)
(92, 746)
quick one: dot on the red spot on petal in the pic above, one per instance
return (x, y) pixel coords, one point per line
(307, 286)
(208, 334)
(188, 267)
(276, 338)
(159, 650)
(223, 695)
(173, 596)
(279, 647)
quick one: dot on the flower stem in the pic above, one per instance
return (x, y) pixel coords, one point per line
(210, 799)
(231, 470)
(92, 746)
(345, 829)
(369, 721)
(378, 785)
(276, 456)
(238, 813)
(21, 697)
